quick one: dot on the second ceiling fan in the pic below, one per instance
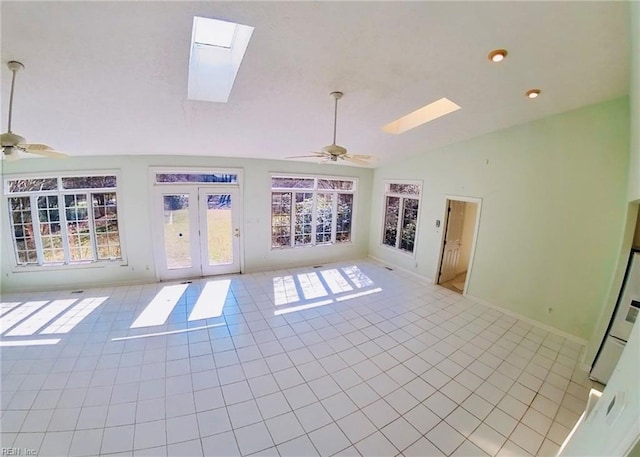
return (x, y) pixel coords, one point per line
(335, 152)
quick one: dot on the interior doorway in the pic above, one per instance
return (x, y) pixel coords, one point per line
(200, 234)
(461, 220)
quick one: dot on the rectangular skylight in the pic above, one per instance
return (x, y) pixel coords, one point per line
(421, 116)
(213, 32)
(217, 50)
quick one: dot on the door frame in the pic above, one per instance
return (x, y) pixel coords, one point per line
(156, 189)
(443, 226)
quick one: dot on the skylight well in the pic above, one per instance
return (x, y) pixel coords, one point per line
(421, 116)
(217, 50)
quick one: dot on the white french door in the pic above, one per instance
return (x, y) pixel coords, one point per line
(200, 233)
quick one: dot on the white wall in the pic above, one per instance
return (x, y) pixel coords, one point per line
(633, 191)
(135, 219)
(634, 164)
(553, 212)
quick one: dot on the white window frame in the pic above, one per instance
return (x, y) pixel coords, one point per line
(197, 171)
(387, 193)
(315, 191)
(60, 192)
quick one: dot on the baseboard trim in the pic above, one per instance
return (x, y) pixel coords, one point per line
(404, 270)
(529, 320)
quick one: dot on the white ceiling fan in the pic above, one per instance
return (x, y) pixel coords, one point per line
(334, 152)
(12, 143)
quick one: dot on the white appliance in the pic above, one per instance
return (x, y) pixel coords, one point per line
(624, 317)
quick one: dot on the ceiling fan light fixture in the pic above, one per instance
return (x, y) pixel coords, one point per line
(498, 55)
(10, 153)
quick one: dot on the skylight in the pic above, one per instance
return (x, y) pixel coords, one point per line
(217, 50)
(213, 32)
(421, 116)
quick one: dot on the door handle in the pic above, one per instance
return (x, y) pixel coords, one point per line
(237, 234)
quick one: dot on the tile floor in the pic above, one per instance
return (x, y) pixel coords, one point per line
(346, 359)
(456, 284)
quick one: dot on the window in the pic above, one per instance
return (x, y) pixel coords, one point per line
(311, 211)
(401, 215)
(164, 178)
(64, 220)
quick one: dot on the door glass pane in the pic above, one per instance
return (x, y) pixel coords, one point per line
(219, 229)
(177, 243)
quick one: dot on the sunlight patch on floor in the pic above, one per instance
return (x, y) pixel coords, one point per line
(311, 286)
(211, 300)
(284, 290)
(20, 313)
(41, 318)
(66, 322)
(158, 310)
(335, 281)
(357, 276)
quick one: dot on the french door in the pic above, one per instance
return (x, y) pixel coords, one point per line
(200, 233)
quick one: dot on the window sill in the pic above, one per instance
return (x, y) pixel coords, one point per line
(66, 267)
(398, 250)
(308, 246)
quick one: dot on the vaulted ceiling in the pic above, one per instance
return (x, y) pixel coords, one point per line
(107, 78)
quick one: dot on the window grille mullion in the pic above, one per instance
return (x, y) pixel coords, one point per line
(62, 219)
(292, 223)
(13, 231)
(35, 223)
(399, 226)
(334, 216)
(92, 227)
(314, 216)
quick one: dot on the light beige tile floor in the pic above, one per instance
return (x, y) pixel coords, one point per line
(348, 359)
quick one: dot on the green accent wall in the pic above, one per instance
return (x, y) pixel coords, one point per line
(554, 209)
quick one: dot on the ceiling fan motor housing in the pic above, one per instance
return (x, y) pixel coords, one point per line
(11, 139)
(334, 150)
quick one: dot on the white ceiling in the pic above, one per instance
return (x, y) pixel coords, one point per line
(107, 78)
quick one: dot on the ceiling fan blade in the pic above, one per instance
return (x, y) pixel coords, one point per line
(355, 160)
(42, 150)
(31, 147)
(362, 156)
(316, 155)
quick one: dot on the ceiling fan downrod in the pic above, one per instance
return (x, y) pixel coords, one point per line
(14, 66)
(337, 95)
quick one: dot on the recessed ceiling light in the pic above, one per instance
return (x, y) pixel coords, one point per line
(532, 93)
(498, 55)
